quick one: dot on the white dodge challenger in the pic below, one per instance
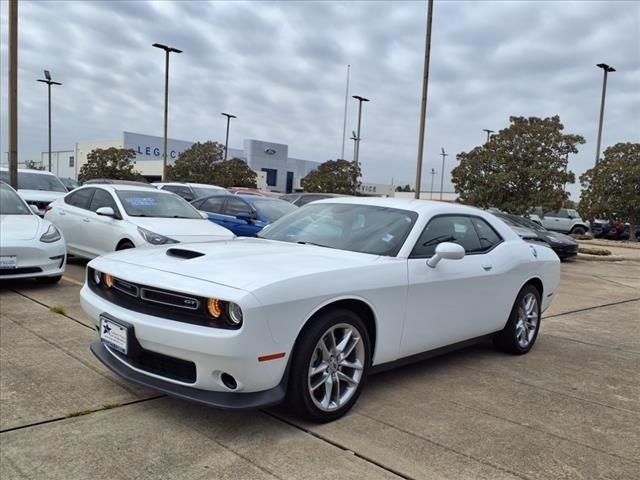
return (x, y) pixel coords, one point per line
(325, 296)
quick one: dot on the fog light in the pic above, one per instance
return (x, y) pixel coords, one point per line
(108, 280)
(97, 277)
(235, 313)
(214, 308)
(229, 381)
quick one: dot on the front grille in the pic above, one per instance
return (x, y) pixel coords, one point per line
(162, 365)
(172, 299)
(126, 287)
(18, 271)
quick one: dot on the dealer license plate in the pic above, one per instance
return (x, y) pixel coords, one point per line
(113, 335)
(8, 262)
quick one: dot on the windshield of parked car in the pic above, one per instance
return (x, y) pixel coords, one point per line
(11, 203)
(356, 228)
(272, 209)
(206, 191)
(522, 222)
(36, 181)
(150, 203)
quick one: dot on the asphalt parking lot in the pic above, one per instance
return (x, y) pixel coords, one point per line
(569, 409)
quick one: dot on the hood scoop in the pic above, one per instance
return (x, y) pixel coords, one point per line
(182, 253)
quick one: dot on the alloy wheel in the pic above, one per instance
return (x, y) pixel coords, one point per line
(528, 318)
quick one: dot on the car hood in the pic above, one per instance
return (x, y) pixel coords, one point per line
(184, 229)
(19, 227)
(40, 195)
(243, 263)
(559, 238)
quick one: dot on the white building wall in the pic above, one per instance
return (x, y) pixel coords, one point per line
(63, 163)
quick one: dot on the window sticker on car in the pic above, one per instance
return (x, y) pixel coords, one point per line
(459, 228)
(141, 201)
(387, 238)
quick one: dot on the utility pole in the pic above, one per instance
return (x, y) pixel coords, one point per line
(442, 172)
(433, 174)
(226, 142)
(357, 152)
(49, 82)
(425, 84)
(13, 93)
(167, 50)
(354, 137)
(344, 125)
(606, 69)
(489, 132)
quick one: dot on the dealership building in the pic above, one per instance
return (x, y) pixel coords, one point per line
(270, 160)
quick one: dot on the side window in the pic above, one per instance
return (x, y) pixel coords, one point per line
(184, 192)
(558, 214)
(80, 198)
(236, 206)
(101, 199)
(488, 237)
(213, 205)
(455, 228)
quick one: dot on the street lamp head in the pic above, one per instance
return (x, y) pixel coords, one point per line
(166, 48)
(362, 99)
(47, 75)
(228, 115)
(606, 67)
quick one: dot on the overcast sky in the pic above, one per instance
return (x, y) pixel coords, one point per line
(281, 68)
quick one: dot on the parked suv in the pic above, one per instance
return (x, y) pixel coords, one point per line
(565, 220)
(37, 187)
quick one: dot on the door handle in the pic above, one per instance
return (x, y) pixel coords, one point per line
(86, 220)
(487, 267)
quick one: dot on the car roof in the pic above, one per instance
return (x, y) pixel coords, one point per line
(114, 187)
(204, 185)
(420, 206)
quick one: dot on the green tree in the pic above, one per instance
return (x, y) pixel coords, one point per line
(203, 163)
(234, 173)
(333, 176)
(113, 163)
(196, 163)
(406, 188)
(612, 187)
(522, 166)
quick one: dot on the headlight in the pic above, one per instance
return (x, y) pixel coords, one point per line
(155, 238)
(229, 312)
(97, 277)
(51, 235)
(235, 313)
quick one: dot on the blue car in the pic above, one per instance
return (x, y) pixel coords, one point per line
(244, 215)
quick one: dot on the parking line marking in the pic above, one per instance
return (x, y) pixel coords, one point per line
(71, 280)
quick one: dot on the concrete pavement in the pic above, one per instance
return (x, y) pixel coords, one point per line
(569, 409)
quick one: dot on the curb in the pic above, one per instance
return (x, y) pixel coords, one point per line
(605, 258)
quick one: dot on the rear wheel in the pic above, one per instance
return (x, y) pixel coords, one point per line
(578, 230)
(521, 331)
(330, 366)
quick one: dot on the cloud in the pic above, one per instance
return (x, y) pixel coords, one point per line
(281, 67)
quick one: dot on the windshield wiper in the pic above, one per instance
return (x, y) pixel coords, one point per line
(314, 244)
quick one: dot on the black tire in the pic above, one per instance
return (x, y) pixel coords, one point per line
(299, 396)
(49, 280)
(125, 245)
(578, 230)
(507, 340)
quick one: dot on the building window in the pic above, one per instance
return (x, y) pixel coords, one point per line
(71, 160)
(272, 176)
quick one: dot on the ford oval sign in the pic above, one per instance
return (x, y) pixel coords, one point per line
(269, 151)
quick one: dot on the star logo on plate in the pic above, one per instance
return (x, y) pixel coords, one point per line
(106, 328)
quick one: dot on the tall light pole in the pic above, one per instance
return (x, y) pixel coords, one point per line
(606, 69)
(167, 51)
(13, 93)
(344, 124)
(360, 100)
(354, 137)
(425, 84)
(49, 82)
(433, 174)
(226, 142)
(489, 132)
(442, 172)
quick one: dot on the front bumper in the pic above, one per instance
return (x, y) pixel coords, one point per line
(565, 251)
(34, 259)
(226, 400)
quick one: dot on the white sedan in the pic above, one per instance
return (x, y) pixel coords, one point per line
(101, 218)
(327, 294)
(29, 246)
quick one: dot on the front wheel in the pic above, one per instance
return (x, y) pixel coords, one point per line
(330, 366)
(579, 230)
(521, 331)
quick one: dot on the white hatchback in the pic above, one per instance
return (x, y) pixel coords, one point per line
(98, 219)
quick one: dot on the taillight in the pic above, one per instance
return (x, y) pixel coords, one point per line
(47, 208)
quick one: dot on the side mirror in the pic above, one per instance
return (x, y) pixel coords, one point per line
(203, 214)
(34, 209)
(106, 212)
(246, 216)
(450, 251)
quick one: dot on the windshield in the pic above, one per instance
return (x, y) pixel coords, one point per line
(356, 228)
(206, 191)
(11, 203)
(36, 181)
(522, 222)
(272, 209)
(150, 203)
